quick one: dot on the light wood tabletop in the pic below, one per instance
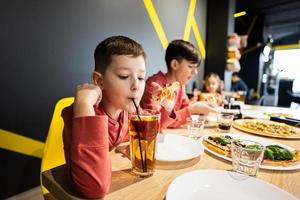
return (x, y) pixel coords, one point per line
(155, 187)
(125, 185)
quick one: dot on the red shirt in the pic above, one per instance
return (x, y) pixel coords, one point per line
(87, 142)
(180, 111)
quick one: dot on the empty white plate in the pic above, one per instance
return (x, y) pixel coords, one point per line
(170, 147)
(220, 184)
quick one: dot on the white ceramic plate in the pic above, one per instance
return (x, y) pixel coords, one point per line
(170, 147)
(220, 184)
(264, 142)
(254, 114)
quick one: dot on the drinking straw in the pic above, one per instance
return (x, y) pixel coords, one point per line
(139, 137)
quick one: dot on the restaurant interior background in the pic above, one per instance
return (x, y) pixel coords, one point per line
(46, 49)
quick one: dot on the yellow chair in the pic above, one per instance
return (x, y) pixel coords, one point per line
(53, 155)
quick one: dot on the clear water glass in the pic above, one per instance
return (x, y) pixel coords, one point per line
(195, 126)
(246, 156)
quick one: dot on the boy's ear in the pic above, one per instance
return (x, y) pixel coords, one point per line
(174, 64)
(97, 79)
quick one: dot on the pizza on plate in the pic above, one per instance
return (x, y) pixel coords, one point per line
(274, 155)
(277, 155)
(267, 128)
(219, 143)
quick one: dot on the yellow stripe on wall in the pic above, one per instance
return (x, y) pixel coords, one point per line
(188, 24)
(198, 38)
(156, 23)
(20, 144)
(192, 24)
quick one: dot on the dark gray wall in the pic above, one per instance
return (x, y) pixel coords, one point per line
(217, 29)
(46, 49)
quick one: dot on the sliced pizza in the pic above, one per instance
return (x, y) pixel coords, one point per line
(219, 143)
(274, 155)
(277, 155)
(168, 92)
(267, 128)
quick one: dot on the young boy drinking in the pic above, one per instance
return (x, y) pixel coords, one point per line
(182, 60)
(98, 119)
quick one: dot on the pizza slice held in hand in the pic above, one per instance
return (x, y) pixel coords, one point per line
(168, 92)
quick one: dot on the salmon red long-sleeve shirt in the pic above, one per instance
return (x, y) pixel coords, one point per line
(87, 142)
(180, 111)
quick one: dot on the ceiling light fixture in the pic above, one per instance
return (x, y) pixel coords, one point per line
(239, 14)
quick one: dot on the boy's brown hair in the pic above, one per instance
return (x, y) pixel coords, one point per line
(115, 45)
(179, 50)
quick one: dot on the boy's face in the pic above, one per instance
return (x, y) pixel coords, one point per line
(212, 85)
(123, 81)
(184, 70)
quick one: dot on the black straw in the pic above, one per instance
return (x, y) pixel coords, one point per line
(139, 137)
(137, 109)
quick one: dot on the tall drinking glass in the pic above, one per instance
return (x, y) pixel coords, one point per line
(143, 129)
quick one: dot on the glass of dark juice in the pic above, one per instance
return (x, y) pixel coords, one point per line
(224, 122)
(143, 129)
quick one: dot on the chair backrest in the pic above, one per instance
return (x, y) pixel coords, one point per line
(53, 155)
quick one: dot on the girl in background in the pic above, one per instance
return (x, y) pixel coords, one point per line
(211, 91)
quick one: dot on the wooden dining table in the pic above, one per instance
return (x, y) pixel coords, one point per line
(125, 185)
(156, 186)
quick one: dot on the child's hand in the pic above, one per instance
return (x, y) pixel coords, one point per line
(195, 97)
(168, 104)
(196, 92)
(156, 90)
(203, 108)
(87, 95)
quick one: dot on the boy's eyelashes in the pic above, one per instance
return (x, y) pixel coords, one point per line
(193, 66)
(124, 77)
